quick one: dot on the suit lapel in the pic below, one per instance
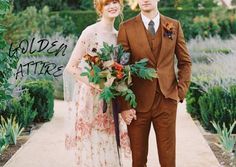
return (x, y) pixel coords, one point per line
(164, 41)
(143, 40)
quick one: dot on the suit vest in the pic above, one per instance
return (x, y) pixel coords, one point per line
(155, 45)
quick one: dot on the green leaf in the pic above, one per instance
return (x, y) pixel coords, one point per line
(120, 51)
(104, 74)
(107, 94)
(121, 87)
(109, 81)
(107, 64)
(142, 61)
(84, 74)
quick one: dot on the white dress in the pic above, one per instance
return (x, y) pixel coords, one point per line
(90, 133)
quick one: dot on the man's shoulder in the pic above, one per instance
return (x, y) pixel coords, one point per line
(129, 22)
(169, 19)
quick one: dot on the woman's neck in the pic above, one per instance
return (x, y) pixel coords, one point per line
(107, 24)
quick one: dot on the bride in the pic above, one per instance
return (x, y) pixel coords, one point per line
(90, 133)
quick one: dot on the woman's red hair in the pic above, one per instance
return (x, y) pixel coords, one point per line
(99, 4)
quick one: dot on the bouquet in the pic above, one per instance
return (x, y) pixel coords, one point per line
(110, 71)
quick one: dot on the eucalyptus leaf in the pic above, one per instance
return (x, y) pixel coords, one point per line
(108, 64)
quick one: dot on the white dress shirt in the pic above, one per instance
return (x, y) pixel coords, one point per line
(156, 21)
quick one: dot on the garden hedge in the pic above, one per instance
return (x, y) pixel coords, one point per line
(42, 91)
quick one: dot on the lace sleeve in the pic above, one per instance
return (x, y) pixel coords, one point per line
(73, 69)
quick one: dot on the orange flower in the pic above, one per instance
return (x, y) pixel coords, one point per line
(95, 59)
(170, 26)
(169, 30)
(87, 57)
(119, 75)
(118, 66)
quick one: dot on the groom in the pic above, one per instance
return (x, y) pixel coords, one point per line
(158, 38)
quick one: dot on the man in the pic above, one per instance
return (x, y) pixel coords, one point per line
(158, 38)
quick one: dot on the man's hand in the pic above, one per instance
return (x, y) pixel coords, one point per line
(129, 115)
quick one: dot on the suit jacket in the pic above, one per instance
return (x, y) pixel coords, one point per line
(133, 37)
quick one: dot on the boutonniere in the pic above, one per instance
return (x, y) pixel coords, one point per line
(169, 30)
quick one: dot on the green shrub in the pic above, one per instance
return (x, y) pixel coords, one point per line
(42, 92)
(22, 108)
(84, 18)
(11, 128)
(217, 23)
(227, 140)
(218, 105)
(3, 141)
(193, 95)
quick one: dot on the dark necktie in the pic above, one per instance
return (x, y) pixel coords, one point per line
(151, 28)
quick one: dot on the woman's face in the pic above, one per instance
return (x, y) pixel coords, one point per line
(111, 9)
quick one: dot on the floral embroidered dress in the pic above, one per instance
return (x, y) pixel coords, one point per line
(90, 133)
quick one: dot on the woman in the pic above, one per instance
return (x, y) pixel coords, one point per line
(90, 132)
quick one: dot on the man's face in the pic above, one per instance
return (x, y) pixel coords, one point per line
(147, 5)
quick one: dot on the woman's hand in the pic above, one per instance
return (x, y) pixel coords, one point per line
(129, 115)
(95, 86)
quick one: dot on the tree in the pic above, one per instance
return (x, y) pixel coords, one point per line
(7, 64)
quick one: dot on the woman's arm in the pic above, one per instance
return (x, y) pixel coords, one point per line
(79, 51)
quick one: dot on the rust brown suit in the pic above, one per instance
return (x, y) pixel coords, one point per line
(157, 99)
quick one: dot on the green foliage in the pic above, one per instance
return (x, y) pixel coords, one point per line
(106, 51)
(227, 141)
(196, 4)
(42, 92)
(218, 105)
(30, 21)
(167, 3)
(95, 77)
(22, 108)
(130, 96)
(54, 5)
(200, 22)
(4, 7)
(24, 24)
(7, 64)
(6, 67)
(140, 69)
(220, 22)
(107, 94)
(11, 129)
(82, 19)
(3, 140)
(193, 95)
(110, 70)
(86, 4)
(224, 51)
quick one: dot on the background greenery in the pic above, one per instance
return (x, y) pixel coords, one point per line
(212, 92)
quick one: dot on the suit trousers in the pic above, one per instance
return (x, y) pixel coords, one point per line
(163, 117)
